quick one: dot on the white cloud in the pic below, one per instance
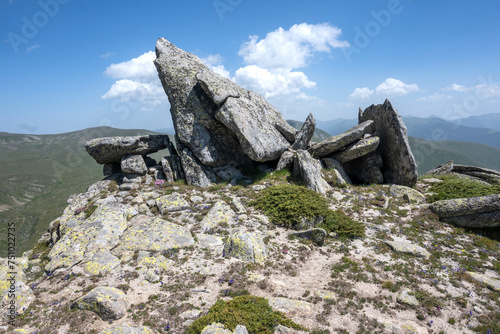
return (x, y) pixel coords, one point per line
(107, 55)
(141, 67)
(291, 48)
(394, 87)
(361, 94)
(487, 91)
(272, 83)
(435, 98)
(458, 88)
(31, 48)
(139, 82)
(214, 62)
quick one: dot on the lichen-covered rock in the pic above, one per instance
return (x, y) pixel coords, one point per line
(342, 177)
(475, 220)
(492, 283)
(466, 206)
(323, 294)
(305, 134)
(108, 303)
(407, 297)
(100, 232)
(102, 262)
(399, 164)
(172, 203)
(207, 240)
(133, 164)
(357, 149)
(129, 330)
(112, 149)
(366, 169)
(219, 214)
(195, 172)
(286, 305)
(23, 296)
(410, 194)
(309, 170)
(215, 328)
(286, 161)
(316, 235)
(158, 263)
(408, 248)
(153, 234)
(246, 246)
(338, 142)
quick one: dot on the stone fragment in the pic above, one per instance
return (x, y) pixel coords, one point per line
(22, 294)
(194, 171)
(112, 149)
(357, 149)
(407, 297)
(336, 143)
(172, 203)
(167, 170)
(108, 303)
(408, 248)
(219, 215)
(305, 134)
(412, 195)
(246, 246)
(492, 283)
(309, 170)
(286, 161)
(340, 172)
(399, 164)
(209, 241)
(365, 170)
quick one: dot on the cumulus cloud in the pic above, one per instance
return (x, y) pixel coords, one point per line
(271, 61)
(361, 94)
(138, 82)
(214, 62)
(389, 88)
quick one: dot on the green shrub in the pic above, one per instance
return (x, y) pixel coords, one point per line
(252, 312)
(455, 187)
(287, 205)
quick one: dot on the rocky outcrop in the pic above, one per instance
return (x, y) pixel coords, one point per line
(483, 211)
(478, 174)
(108, 303)
(399, 164)
(305, 134)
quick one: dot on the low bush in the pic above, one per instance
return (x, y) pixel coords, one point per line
(454, 187)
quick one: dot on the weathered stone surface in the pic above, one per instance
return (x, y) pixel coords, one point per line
(215, 328)
(407, 297)
(447, 168)
(305, 134)
(408, 248)
(23, 296)
(336, 143)
(153, 234)
(410, 194)
(129, 330)
(475, 220)
(240, 329)
(316, 235)
(111, 168)
(227, 173)
(342, 177)
(134, 164)
(157, 263)
(399, 164)
(310, 171)
(324, 294)
(366, 169)
(466, 206)
(286, 161)
(100, 232)
(207, 240)
(101, 263)
(246, 246)
(195, 173)
(492, 283)
(108, 303)
(112, 149)
(286, 305)
(172, 203)
(220, 214)
(357, 149)
(167, 170)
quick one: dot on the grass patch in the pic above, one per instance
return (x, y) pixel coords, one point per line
(288, 205)
(252, 312)
(454, 187)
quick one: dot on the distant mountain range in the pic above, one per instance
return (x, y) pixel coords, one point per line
(489, 121)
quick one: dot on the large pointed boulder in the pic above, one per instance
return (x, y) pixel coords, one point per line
(399, 164)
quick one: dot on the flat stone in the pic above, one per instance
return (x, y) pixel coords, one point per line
(101, 263)
(408, 248)
(323, 294)
(172, 203)
(492, 283)
(108, 303)
(288, 305)
(207, 240)
(246, 246)
(357, 149)
(219, 214)
(407, 297)
(465, 206)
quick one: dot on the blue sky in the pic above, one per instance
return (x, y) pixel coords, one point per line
(72, 64)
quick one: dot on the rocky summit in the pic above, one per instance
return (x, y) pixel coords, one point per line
(245, 226)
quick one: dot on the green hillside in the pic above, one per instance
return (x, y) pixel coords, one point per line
(37, 175)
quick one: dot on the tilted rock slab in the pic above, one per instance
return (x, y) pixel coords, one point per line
(246, 246)
(466, 206)
(305, 134)
(399, 164)
(342, 177)
(108, 303)
(310, 171)
(23, 296)
(205, 105)
(475, 220)
(112, 149)
(492, 283)
(338, 142)
(357, 149)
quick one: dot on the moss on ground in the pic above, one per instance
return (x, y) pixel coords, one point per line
(454, 187)
(252, 312)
